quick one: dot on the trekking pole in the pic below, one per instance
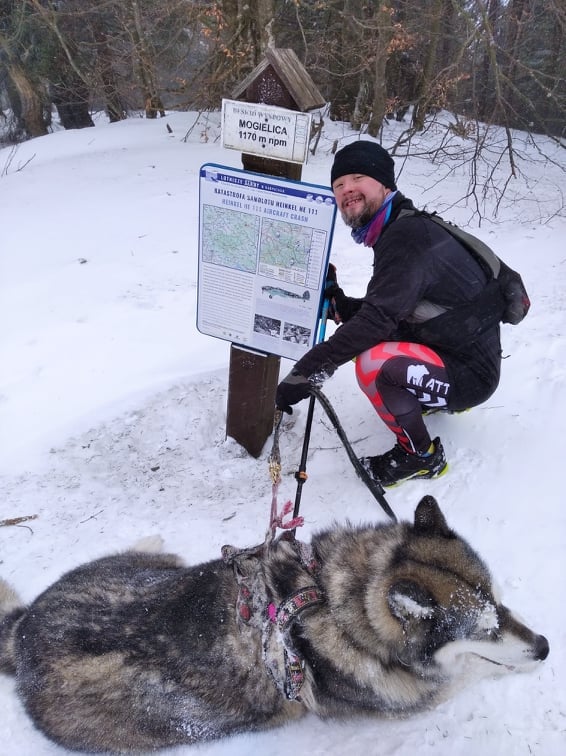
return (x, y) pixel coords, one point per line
(301, 474)
(374, 486)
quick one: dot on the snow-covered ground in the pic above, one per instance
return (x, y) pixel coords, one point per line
(113, 409)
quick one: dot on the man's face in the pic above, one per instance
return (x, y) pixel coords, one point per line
(358, 198)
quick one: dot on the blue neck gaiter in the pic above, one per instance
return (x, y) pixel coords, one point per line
(371, 232)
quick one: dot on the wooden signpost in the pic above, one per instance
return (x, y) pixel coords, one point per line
(280, 80)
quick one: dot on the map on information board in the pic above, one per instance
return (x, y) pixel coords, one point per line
(264, 244)
(220, 227)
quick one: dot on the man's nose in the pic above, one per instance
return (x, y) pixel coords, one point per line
(347, 186)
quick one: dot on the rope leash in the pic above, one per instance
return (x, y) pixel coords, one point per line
(274, 462)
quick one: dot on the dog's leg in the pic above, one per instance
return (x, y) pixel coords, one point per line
(11, 611)
(152, 548)
(149, 545)
(9, 599)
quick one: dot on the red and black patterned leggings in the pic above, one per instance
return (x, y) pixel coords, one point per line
(400, 379)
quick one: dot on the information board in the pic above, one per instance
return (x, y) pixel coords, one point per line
(264, 244)
(266, 130)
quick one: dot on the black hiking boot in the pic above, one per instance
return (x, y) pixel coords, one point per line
(397, 465)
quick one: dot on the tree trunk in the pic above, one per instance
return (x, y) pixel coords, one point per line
(347, 66)
(425, 95)
(144, 64)
(384, 35)
(114, 107)
(249, 31)
(359, 115)
(29, 108)
(261, 27)
(487, 103)
(70, 97)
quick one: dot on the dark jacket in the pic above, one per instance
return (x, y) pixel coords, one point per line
(419, 270)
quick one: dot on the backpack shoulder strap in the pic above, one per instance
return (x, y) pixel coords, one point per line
(510, 283)
(475, 246)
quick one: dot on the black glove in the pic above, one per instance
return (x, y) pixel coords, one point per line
(331, 288)
(292, 389)
(331, 277)
(340, 307)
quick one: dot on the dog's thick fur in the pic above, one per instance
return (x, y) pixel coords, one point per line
(135, 652)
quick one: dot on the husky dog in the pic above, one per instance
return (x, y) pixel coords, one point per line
(135, 652)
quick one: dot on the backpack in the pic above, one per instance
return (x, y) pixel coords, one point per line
(516, 302)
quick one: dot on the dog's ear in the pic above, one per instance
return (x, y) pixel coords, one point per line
(429, 520)
(409, 600)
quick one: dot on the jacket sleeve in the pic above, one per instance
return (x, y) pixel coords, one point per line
(399, 279)
(346, 307)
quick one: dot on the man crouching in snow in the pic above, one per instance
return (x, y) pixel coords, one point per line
(410, 334)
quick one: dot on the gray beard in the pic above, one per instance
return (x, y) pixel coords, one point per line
(359, 221)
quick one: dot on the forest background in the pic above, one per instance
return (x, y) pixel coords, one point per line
(498, 62)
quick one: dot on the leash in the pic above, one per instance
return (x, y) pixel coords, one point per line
(274, 462)
(274, 459)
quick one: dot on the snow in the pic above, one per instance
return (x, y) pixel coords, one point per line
(112, 408)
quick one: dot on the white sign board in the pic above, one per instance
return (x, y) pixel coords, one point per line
(266, 130)
(264, 244)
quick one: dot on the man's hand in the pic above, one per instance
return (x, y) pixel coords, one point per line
(333, 313)
(331, 288)
(339, 305)
(292, 389)
(331, 275)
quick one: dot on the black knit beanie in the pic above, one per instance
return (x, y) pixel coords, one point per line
(367, 158)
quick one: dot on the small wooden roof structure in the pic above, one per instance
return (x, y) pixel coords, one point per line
(280, 79)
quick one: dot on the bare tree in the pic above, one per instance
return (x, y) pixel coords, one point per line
(144, 58)
(23, 84)
(502, 61)
(61, 34)
(384, 35)
(238, 32)
(425, 93)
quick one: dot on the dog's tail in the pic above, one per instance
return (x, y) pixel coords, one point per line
(11, 611)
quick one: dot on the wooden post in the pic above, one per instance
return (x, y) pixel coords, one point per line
(252, 384)
(280, 79)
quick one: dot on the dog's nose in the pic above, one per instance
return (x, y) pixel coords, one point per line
(541, 648)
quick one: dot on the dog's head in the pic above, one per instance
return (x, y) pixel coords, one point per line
(443, 613)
